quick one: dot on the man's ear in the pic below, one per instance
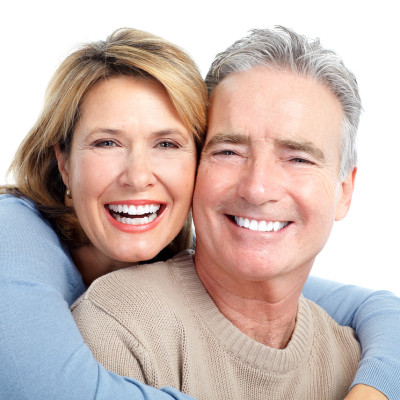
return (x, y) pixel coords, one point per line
(347, 188)
(63, 165)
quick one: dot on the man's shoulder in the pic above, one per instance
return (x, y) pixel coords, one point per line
(153, 287)
(335, 350)
(320, 317)
(329, 332)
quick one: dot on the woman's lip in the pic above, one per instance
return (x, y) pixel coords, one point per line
(135, 228)
(139, 202)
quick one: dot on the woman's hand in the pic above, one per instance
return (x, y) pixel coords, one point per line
(365, 392)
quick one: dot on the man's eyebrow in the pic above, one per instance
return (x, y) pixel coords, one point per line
(228, 137)
(304, 146)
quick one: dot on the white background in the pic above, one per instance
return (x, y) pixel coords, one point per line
(35, 36)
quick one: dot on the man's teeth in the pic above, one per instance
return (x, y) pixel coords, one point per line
(261, 226)
(149, 209)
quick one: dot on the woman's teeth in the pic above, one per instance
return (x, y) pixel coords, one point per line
(134, 210)
(261, 226)
(144, 213)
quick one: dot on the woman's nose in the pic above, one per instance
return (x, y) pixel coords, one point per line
(138, 171)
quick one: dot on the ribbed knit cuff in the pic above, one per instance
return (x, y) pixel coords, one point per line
(382, 374)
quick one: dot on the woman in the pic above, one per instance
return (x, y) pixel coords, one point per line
(104, 180)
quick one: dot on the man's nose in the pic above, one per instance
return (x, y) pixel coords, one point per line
(138, 171)
(261, 181)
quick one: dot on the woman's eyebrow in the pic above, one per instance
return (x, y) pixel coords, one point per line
(172, 131)
(104, 130)
(156, 133)
(305, 146)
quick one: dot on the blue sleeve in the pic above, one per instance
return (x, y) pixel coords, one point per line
(375, 316)
(42, 354)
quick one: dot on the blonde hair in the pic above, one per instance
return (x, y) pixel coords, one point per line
(125, 52)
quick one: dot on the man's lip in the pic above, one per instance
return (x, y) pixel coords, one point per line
(259, 224)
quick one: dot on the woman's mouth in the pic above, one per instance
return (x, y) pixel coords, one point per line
(135, 215)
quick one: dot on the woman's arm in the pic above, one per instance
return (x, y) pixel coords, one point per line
(42, 354)
(375, 316)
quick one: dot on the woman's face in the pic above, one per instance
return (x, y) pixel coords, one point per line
(131, 169)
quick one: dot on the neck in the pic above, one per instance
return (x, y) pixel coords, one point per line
(92, 264)
(265, 311)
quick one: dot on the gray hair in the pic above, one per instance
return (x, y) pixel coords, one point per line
(284, 49)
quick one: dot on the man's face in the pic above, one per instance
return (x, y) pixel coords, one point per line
(267, 190)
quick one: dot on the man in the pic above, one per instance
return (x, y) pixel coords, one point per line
(276, 171)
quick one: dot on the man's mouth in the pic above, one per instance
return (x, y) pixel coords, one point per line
(260, 226)
(135, 215)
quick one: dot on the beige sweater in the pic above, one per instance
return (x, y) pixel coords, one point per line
(157, 323)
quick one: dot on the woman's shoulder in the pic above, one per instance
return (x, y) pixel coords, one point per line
(31, 252)
(6, 198)
(138, 298)
(20, 216)
(10, 203)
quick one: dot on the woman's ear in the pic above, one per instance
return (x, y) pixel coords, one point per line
(63, 165)
(347, 189)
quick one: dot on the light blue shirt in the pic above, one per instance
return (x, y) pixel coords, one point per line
(43, 356)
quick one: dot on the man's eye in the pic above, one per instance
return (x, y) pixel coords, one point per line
(301, 160)
(225, 153)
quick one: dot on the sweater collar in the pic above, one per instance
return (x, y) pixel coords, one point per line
(235, 341)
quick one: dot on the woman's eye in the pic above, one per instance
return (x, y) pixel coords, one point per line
(167, 145)
(104, 143)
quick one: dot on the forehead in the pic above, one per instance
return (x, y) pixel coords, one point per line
(129, 88)
(261, 103)
(123, 99)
